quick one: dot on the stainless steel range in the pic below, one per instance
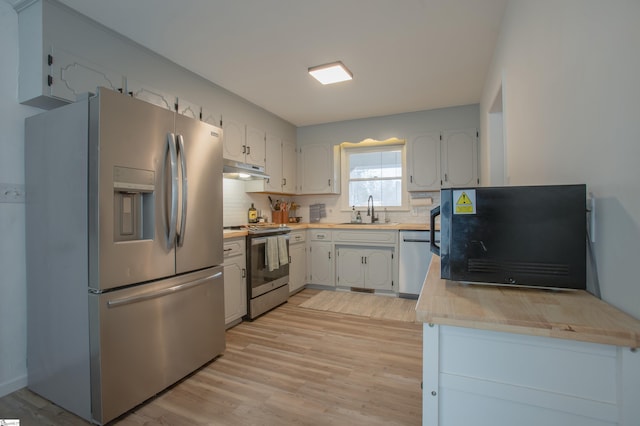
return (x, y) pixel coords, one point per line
(267, 268)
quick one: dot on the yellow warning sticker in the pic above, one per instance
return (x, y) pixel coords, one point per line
(465, 201)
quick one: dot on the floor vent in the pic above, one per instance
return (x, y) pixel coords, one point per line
(362, 290)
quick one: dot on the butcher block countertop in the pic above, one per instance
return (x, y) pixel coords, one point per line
(234, 233)
(301, 226)
(389, 226)
(573, 315)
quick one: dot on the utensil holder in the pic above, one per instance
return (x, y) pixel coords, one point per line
(280, 216)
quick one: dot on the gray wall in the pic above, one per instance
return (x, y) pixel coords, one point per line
(402, 126)
(13, 318)
(68, 30)
(569, 74)
(399, 125)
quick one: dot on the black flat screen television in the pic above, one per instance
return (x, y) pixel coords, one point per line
(532, 236)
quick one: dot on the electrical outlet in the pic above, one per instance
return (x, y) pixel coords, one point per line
(11, 193)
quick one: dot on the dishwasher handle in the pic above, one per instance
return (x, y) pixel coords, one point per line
(415, 240)
(432, 230)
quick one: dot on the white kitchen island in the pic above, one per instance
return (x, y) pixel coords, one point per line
(513, 356)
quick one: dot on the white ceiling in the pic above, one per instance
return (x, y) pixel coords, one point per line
(405, 55)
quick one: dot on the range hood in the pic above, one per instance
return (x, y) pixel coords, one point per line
(237, 170)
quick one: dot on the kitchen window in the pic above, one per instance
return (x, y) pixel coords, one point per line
(374, 168)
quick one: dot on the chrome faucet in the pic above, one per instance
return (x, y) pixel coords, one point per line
(370, 209)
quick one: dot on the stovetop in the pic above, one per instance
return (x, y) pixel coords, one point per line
(261, 229)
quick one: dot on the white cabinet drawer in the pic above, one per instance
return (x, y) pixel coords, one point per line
(233, 248)
(298, 237)
(366, 236)
(320, 235)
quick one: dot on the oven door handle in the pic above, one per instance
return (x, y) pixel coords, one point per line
(263, 240)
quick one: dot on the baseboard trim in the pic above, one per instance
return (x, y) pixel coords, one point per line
(13, 385)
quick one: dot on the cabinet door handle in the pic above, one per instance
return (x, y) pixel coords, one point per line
(365, 260)
(446, 178)
(411, 179)
(329, 182)
(244, 149)
(329, 253)
(248, 150)
(362, 259)
(244, 273)
(284, 181)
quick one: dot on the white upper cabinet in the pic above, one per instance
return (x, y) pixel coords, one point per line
(210, 116)
(289, 166)
(281, 160)
(423, 162)
(243, 143)
(188, 109)
(154, 96)
(442, 160)
(274, 164)
(459, 158)
(234, 146)
(319, 169)
(71, 76)
(256, 146)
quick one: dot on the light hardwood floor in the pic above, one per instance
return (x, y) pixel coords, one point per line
(292, 366)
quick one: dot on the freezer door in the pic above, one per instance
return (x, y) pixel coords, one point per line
(128, 204)
(147, 337)
(199, 225)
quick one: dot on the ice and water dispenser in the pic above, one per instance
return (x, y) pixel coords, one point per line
(133, 191)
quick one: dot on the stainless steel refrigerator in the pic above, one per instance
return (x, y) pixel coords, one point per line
(124, 247)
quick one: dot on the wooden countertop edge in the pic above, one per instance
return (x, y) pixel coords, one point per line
(562, 331)
(383, 226)
(234, 234)
(303, 226)
(622, 329)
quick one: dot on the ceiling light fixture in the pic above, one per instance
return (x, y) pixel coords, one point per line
(334, 72)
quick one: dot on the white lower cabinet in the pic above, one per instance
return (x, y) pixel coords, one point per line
(364, 267)
(320, 262)
(298, 264)
(366, 259)
(505, 378)
(235, 281)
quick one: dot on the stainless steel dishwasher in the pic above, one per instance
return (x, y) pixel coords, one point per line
(415, 257)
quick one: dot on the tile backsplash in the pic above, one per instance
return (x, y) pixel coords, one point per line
(237, 202)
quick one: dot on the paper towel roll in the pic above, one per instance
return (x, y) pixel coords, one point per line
(421, 201)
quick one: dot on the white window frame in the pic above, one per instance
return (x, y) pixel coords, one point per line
(370, 145)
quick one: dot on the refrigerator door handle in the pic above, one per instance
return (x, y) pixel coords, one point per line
(159, 293)
(183, 215)
(173, 217)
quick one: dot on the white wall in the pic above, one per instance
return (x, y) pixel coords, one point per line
(13, 319)
(236, 203)
(570, 75)
(402, 126)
